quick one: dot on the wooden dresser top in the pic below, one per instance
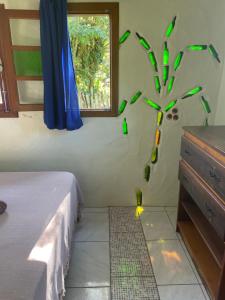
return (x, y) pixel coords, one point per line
(213, 136)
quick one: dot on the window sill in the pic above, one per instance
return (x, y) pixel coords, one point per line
(98, 113)
(10, 114)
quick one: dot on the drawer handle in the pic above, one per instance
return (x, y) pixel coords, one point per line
(212, 174)
(187, 152)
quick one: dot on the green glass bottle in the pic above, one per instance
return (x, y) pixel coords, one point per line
(159, 118)
(157, 84)
(154, 157)
(165, 74)
(197, 47)
(166, 54)
(170, 105)
(178, 60)
(143, 41)
(192, 92)
(214, 53)
(139, 197)
(206, 123)
(135, 97)
(171, 27)
(125, 126)
(124, 37)
(147, 172)
(153, 61)
(122, 106)
(152, 104)
(205, 104)
(170, 84)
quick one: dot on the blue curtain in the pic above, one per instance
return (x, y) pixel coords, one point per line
(61, 107)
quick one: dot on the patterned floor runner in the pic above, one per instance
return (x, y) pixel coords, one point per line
(132, 276)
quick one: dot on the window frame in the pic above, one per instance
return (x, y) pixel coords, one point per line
(109, 8)
(8, 75)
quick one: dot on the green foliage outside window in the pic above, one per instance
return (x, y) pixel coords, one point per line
(90, 43)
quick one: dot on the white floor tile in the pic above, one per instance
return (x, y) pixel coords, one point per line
(172, 213)
(170, 208)
(89, 265)
(153, 208)
(156, 225)
(92, 227)
(95, 210)
(170, 263)
(173, 218)
(88, 294)
(191, 262)
(181, 292)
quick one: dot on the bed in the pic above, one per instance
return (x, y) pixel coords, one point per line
(36, 233)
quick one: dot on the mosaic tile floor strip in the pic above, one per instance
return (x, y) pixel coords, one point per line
(132, 276)
(134, 288)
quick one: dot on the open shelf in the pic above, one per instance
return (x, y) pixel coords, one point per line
(205, 230)
(202, 257)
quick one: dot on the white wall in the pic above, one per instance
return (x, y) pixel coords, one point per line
(220, 112)
(108, 165)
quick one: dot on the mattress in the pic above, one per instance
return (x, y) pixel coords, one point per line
(35, 233)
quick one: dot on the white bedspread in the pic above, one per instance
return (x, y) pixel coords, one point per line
(35, 233)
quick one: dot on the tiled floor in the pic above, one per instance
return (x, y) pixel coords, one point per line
(89, 276)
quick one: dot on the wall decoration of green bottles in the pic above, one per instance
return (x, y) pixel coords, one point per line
(124, 37)
(139, 208)
(205, 104)
(197, 47)
(164, 86)
(154, 157)
(122, 106)
(170, 105)
(159, 118)
(166, 54)
(157, 84)
(143, 41)
(125, 126)
(135, 97)
(152, 104)
(178, 60)
(192, 92)
(165, 74)
(147, 172)
(214, 53)
(171, 27)
(153, 61)
(139, 197)
(170, 84)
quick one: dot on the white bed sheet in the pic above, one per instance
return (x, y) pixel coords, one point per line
(35, 233)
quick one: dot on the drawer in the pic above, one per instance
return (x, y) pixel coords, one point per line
(209, 204)
(205, 165)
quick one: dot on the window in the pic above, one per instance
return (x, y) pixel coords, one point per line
(90, 44)
(93, 29)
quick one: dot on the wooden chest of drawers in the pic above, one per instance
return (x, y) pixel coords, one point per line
(201, 210)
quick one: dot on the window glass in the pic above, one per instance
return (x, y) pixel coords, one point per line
(27, 63)
(90, 43)
(30, 92)
(25, 32)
